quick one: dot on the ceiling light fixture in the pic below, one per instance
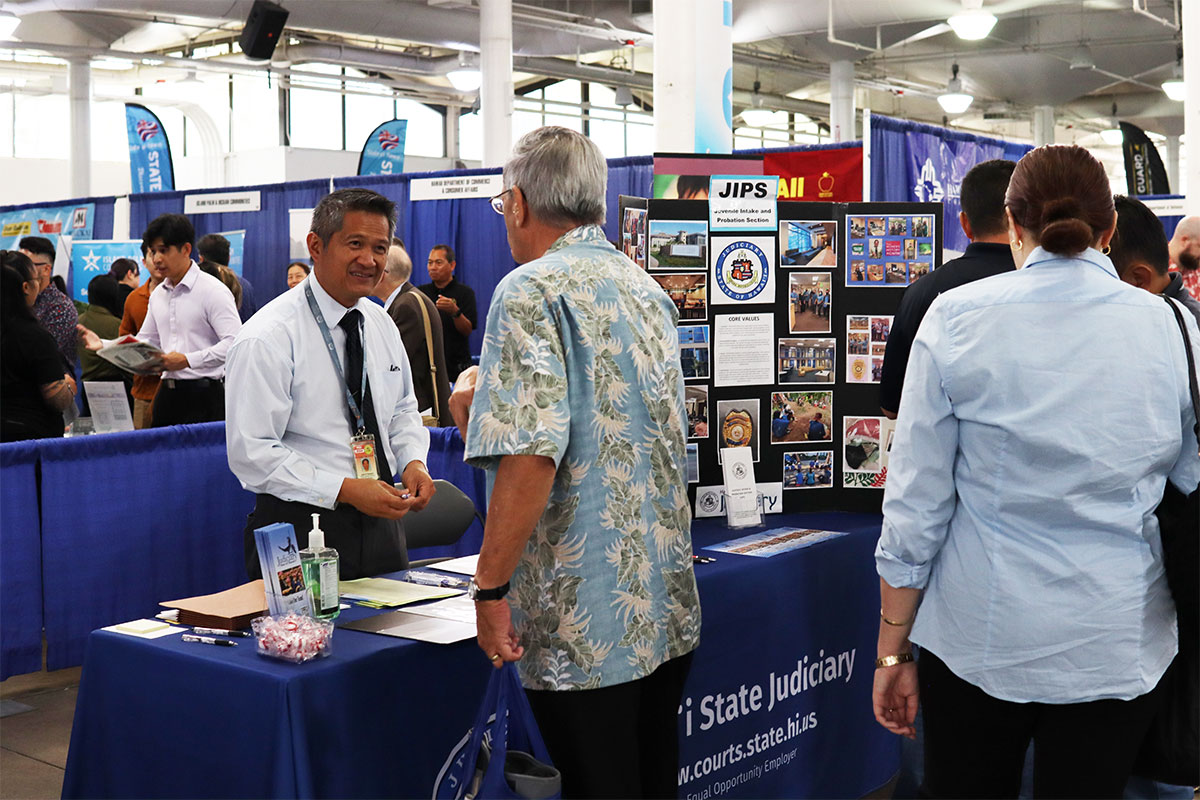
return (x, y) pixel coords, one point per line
(955, 100)
(972, 23)
(8, 24)
(1112, 135)
(1081, 58)
(190, 79)
(1174, 87)
(466, 77)
(756, 116)
(623, 96)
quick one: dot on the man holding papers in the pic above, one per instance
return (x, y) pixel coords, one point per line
(585, 575)
(321, 412)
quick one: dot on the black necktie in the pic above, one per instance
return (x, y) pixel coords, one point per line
(354, 378)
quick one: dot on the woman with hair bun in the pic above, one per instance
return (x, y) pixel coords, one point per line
(1044, 411)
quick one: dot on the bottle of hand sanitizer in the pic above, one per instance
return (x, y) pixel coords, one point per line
(320, 565)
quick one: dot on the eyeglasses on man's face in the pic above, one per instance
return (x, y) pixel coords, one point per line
(498, 202)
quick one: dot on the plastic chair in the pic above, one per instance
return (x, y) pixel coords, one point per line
(442, 522)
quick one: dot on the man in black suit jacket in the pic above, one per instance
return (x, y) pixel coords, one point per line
(403, 303)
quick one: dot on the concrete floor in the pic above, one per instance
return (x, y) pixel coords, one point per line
(33, 744)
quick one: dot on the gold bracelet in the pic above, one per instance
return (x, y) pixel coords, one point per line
(892, 621)
(891, 661)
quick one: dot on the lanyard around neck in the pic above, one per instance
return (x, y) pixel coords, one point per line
(337, 362)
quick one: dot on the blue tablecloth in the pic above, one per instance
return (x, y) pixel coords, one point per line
(379, 718)
(20, 561)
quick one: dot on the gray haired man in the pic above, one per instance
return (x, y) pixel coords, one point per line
(580, 417)
(317, 383)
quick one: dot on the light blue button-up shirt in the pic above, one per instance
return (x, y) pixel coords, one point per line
(1043, 411)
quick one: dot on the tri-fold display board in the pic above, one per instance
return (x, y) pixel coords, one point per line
(782, 335)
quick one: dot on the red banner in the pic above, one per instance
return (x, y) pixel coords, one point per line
(832, 176)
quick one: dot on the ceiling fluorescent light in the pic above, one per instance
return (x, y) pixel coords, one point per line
(8, 24)
(954, 100)
(972, 23)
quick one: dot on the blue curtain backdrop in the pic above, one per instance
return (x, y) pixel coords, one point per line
(20, 560)
(926, 163)
(1169, 222)
(266, 255)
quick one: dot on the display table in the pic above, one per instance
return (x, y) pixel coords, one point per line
(381, 716)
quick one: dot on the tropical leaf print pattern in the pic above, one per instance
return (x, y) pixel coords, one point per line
(581, 364)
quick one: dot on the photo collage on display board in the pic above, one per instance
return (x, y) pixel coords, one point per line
(866, 342)
(762, 352)
(633, 234)
(888, 249)
(866, 443)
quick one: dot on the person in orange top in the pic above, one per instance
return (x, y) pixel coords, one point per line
(136, 305)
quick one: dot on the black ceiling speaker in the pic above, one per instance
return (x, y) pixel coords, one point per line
(263, 27)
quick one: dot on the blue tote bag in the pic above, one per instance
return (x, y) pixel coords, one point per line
(505, 757)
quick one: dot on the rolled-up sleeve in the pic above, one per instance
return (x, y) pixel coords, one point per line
(258, 404)
(919, 498)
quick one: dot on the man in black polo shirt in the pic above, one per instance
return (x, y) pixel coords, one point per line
(988, 254)
(456, 303)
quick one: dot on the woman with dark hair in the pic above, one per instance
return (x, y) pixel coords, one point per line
(1044, 411)
(103, 315)
(33, 389)
(297, 271)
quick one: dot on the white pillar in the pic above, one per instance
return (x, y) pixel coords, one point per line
(1191, 116)
(1043, 125)
(1173, 162)
(496, 91)
(841, 101)
(79, 79)
(452, 117)
(693, 76)
(866, 140)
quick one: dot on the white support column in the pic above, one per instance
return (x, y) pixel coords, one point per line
(1173, 162)
(496, 91)
(1043, 125)
(79, 80)
(693, 76)
(866, 140)
(452, 118)
(841, 101)
(1191, 116)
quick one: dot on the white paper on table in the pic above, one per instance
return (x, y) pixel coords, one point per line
(145, 628)
(408, 625)
(741, 492)
(110, 408)
(466, 565)
(743, 349)
(456, 609)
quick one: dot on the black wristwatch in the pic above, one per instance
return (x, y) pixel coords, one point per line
(458, 314)
(478, 595)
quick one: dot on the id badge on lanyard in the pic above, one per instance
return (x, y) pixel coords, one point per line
(366, 464)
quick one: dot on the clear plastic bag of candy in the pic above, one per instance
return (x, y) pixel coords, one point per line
(293, 637)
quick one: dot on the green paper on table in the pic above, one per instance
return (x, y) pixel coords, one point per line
(389, 593)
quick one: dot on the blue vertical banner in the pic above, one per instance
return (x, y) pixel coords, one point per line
(150, 167)
(237, 247)
(92, 257)
(383, 152)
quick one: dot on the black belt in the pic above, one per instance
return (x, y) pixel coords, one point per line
(192, 383)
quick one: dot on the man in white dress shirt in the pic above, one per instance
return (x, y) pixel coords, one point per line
(192, 317)
(301, 413)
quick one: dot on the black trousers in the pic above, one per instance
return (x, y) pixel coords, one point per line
(366, 546)
(617, 742)
(975, 744)
(186, 402)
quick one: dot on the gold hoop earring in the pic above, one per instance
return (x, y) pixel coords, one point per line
(1106, 249)
(1015, 243)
